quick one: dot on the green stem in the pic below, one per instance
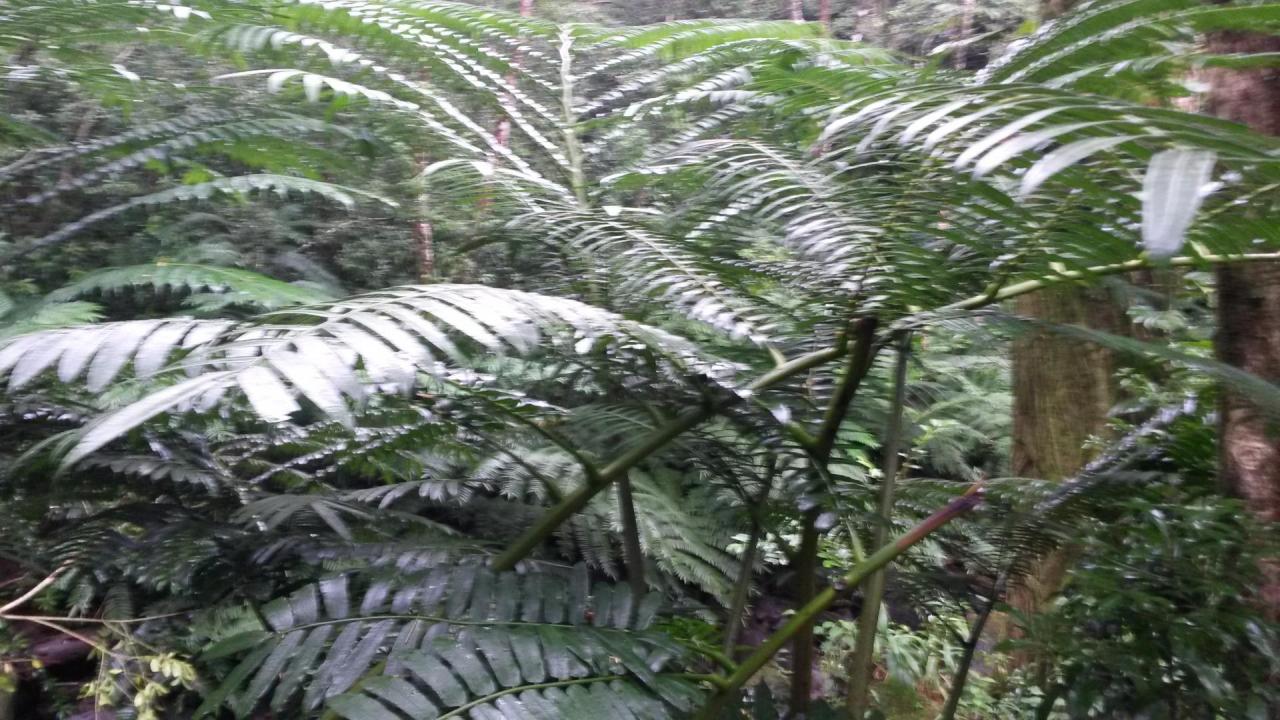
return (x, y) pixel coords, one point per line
(741, 590)
(863, 659)
(820, 454)
(579, 498)
(807, 614)
(859, 364)
(633, 556)
(588, 468)
(806, 589)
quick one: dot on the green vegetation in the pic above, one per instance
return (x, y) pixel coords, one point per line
(402, 359)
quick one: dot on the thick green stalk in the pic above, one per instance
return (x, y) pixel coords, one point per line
(863, 659)
(806, 570)
(806, 582)
(578, 499)
(810, 612)
(632, 554)
(859, 365)
(572, 147)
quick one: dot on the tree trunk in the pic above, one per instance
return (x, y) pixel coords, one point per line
(967, 8)
(1063, 390)
(824, 14)
(423, 235)
(797, 10)
(1249, 310)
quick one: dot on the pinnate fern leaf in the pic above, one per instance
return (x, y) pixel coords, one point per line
(459, 638)
(332, 356)
(235, 286)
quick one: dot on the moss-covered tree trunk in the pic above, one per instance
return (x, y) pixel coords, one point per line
(1249, 309)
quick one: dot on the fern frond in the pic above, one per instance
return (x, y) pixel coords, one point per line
(316, 353)
(234, 286)
(1132, 29)
(280, 184)
(177, 471)
(457, 638)
(202, 135)
(652, 263)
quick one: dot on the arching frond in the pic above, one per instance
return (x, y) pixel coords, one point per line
(1102, 32)
(331, 356)
(460, 638)
(280, 184)
(232, 286)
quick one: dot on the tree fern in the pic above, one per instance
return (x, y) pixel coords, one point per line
(402, 434)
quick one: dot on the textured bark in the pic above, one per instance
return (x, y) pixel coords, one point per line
(1250, 97)
(1249, 310)
(824, 14)
(423, 235)
(1249, 338)
(1063, 390)
(797, 10)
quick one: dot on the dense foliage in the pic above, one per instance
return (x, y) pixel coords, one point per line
(409, 359)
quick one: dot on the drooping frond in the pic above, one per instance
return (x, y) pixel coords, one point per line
(459, 638)
(333, 355)
(220, 285)
(282, 185)
(180, 135)
(649, 261)
(1120, 36)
